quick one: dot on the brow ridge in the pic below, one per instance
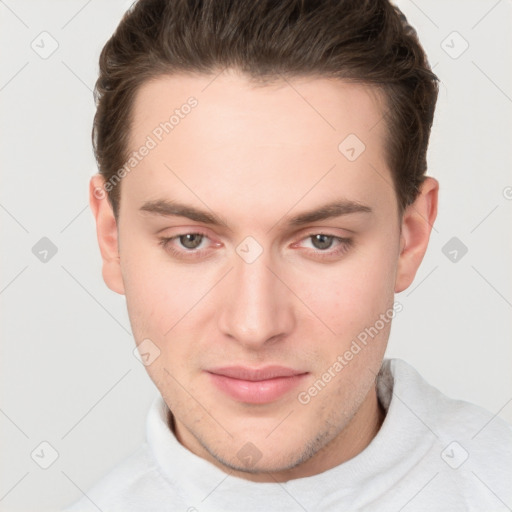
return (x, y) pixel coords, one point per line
(168, 208)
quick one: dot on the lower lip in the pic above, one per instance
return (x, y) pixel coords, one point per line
(256, 392)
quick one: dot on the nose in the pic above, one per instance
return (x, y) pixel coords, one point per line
(256, 307)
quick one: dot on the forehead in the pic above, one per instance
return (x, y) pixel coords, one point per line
(267, 144)
(327, 108)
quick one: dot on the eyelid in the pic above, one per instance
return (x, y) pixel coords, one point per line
(344, 244)
(165, 242)
(303, 233)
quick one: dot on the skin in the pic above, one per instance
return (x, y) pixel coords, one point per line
(257, 156)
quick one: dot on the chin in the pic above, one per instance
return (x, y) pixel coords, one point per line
(255, 455)
(253, 462)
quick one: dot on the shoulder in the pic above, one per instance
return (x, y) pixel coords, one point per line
(127, 486)
(400, 382)
(470, 448)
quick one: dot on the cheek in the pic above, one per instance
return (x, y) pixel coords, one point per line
(352, 294)
(160, 307)
(163, 301)
(148, 298)
(156, 290)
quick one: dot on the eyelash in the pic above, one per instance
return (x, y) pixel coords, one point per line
(344, 246)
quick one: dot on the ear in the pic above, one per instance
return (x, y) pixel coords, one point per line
(106, 230)
(417, 223)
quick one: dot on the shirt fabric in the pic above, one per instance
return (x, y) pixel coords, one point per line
(432, 453)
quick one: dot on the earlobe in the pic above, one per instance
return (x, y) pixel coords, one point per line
(107, 234)
(417, 223)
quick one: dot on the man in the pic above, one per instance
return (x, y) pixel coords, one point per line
(261, 199)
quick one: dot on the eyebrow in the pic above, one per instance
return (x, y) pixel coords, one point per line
(167, 208)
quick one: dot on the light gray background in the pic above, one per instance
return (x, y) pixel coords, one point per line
(68, 374)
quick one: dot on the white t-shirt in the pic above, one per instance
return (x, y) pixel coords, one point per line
(431, 453)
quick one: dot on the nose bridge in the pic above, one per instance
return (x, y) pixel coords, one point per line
(256, 306)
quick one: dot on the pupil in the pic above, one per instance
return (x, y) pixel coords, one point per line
(322, 239)
(189, 239)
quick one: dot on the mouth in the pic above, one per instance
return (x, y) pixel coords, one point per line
(256, 385)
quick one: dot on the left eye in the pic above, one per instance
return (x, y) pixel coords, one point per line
(191, 240)
(321, 241)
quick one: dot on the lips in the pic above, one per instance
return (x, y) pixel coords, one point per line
(255, 385)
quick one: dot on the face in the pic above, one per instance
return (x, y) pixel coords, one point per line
(255, 309)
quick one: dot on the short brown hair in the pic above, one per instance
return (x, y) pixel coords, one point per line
(364, 41)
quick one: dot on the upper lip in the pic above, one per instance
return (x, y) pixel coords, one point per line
(255, 374)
